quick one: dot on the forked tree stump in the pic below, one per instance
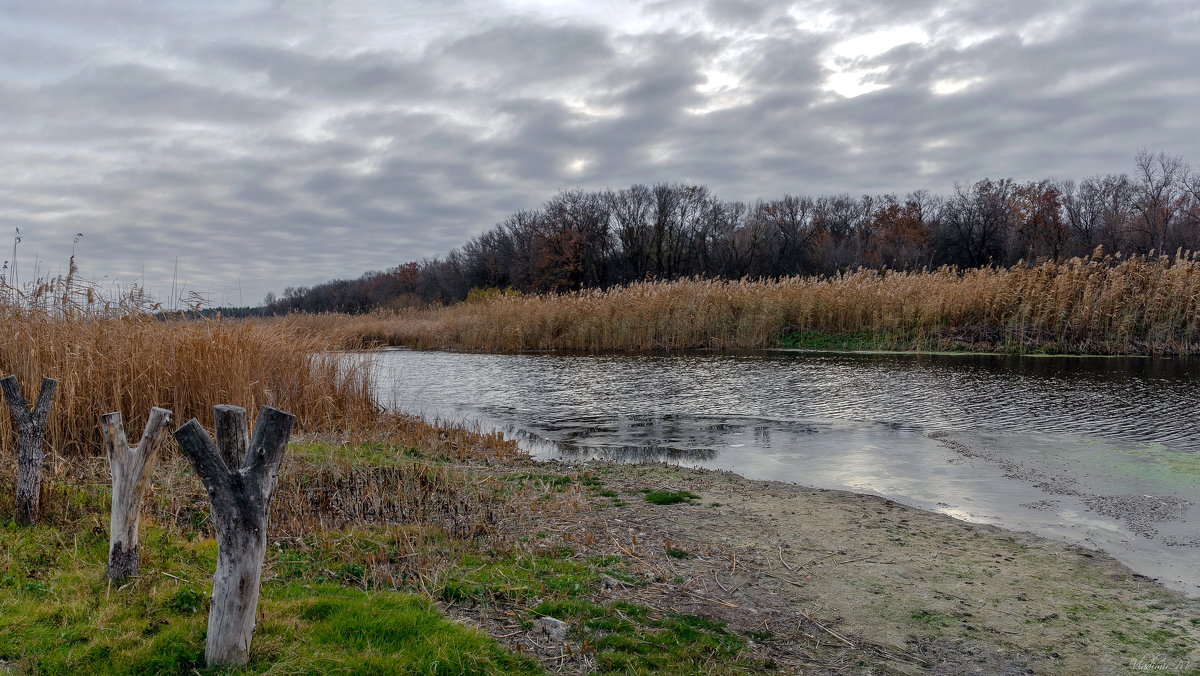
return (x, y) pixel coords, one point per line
(240, 480)
(31, 437)
(130, 468)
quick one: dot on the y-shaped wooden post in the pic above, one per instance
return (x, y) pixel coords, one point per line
(240, 481)
(31, 436)
(130, 468)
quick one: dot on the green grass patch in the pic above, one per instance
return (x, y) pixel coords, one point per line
(59, 616)
(395, 633)
(378, 454)
(631, 639)
(670, 497)
(932, 618)
(518, 578)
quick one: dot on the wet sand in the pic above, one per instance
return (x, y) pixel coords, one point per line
(839, 582)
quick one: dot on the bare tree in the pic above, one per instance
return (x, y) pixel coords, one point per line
(130, 468)
(976, 223)
(240, 480)
(31, 438)
(1156, 199)
(1082, 205)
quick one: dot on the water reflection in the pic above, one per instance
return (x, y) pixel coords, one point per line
(985, 438)
(617, 400)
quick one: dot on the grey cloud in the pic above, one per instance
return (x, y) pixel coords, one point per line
(358, 76)
(788, 64)
(300, 134)
(121, 93)
(738, 12)
(520, 51)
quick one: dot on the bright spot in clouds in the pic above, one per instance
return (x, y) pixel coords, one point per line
(848, 76)
(953, 86)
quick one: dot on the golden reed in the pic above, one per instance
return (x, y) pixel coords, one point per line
(132, 363)
(1100, 305)
(113, 353)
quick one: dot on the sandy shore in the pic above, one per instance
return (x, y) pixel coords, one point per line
(836, 582)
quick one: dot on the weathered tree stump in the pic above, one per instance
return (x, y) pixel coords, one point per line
(31, 436)
(130, 468)
(240, 480)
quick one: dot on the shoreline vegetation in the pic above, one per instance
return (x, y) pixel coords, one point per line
(448, 558)
(1100, 305)
(401, 546)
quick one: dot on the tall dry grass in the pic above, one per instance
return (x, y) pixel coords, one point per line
(1102, 305)
(132, 363)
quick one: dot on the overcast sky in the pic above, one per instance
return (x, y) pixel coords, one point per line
(267, 145)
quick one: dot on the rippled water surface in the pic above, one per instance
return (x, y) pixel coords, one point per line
(1048, 444)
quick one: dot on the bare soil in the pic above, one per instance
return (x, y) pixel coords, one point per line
(824, 581)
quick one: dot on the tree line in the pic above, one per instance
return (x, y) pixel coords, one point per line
(597, 239)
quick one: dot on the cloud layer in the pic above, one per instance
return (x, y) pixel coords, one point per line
(265, 145)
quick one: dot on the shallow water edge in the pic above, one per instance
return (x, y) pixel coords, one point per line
(1090, 451)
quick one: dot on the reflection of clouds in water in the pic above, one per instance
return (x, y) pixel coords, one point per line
(1126, 399)
(645, 437)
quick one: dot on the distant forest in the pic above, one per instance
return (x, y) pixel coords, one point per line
(581, 239)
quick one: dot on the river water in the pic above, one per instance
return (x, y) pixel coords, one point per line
(1102, 452)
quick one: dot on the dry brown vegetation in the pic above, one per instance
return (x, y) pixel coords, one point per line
(116, 355)
(354, 464)
(132, 363)
(322, 488)
(1103, 305)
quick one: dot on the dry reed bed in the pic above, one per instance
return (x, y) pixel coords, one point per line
(1106, 305)
(132, 363)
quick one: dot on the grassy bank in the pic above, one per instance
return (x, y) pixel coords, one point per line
(1096, 306)
(373, 547)
(353, 529)
(443, 557)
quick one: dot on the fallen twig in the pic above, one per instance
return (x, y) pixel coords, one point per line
(861, 558)
(718, 581)
(785, 563)
(827, 630)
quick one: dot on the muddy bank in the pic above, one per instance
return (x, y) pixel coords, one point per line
(835, 582)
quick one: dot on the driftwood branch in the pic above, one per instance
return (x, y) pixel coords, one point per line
(130, 468)
(240, 480)
(30, 425)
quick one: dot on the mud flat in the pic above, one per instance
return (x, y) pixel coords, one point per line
(830, 581)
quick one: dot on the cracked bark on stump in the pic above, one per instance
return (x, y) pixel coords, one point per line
(130, 468)
(240, 480)
(30, 425)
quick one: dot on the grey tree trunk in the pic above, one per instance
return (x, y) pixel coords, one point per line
(240, 480)
(31, 437)
(130, 468)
